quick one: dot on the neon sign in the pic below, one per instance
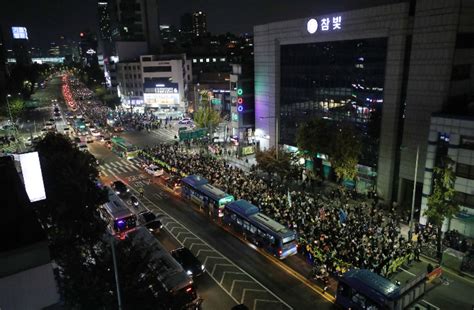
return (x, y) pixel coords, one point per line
(325, 24)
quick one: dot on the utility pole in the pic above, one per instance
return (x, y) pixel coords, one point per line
(117, 284)
(410, 231)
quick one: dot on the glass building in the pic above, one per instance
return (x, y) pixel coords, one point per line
(339, 81)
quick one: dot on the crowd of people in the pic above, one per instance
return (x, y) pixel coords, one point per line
(345, 232)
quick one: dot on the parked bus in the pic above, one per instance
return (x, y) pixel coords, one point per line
(198, 190)
(120, 219)
(123, 149)
(364, 289)
(176, 288)
(245, 218)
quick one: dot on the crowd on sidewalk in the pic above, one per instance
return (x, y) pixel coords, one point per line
(336, 231)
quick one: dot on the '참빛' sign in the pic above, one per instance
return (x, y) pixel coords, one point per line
(324, 24)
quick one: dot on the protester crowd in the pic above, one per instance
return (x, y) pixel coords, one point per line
(345, 232)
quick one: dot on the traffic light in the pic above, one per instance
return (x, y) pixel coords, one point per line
(240, 100)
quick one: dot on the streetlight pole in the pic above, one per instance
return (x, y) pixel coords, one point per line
(276, 133)
(410, 231)
(117, 284)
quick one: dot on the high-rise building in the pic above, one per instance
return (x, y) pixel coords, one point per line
(136, 20)
(104, 31)
(385, 70)
(199, 24)
(20, 45)
(53, 49)
(88, 48)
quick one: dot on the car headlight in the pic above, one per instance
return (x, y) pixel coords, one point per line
(128, 189)
(189, 273)
(118, 193)
(202, 267)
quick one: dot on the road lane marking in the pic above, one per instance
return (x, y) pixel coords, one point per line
(248, 290)
(213, 257)
(242, 281)
(437, 308)
(229, 272)
(215, 251)
(410, 273)
(257, 300)
(215, 265)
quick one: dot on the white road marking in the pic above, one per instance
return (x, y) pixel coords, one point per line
(229, 272)
(410, 273)
(249, 290)
(215, 251)
(437, 308)
(215, 265)
(242, 281)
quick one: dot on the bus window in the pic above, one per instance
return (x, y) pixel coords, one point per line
(246, 225)
(233, 216)
(253, 229)
(239, 221)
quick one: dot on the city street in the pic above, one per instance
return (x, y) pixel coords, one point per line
(235, 267)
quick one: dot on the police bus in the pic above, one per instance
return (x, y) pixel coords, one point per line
(176, 288)
(120, 219)
(246, 219)
(198, 190)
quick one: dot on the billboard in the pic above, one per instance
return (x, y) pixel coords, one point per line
(20, 33)
(161, 94)
(32, 176)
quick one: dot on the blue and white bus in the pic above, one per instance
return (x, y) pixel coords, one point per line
(198, 190)
(120, 219)
(364, 289)
(245, 218)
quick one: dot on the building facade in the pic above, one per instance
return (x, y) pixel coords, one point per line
(155, 82)
(383, 69)
(453, 136)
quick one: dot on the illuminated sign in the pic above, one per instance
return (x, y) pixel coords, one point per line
(20, 33)
(32, 176)
(90, 51)
(157, 99)
(324, 24)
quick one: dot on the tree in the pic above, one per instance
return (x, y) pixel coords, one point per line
(315, 137)
(267, 162)
(207, 117)
(69, 212)
(16, 108)
(345, 152)
(441, 203)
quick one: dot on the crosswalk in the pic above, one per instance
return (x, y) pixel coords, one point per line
(165, 134)
(120, 166)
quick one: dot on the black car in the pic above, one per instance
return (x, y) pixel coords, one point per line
(120, 188)
(150, 221)
(188, 261)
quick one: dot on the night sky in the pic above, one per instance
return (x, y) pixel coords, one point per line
(46, 20)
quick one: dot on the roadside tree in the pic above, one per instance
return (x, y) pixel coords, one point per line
(441, 202)
(345, 152)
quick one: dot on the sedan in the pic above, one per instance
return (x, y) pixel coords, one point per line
(188, 261)
(150, 221)
(154, 170)
(185, 121)
(120, 188)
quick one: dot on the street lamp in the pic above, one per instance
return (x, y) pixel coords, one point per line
(410, 225)
(276, 132)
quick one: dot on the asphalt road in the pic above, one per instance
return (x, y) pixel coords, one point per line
(236, 271)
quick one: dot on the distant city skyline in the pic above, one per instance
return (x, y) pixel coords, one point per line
(53, 18)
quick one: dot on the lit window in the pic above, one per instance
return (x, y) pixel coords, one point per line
(207, 59)
(194, 60)
(201, 60)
